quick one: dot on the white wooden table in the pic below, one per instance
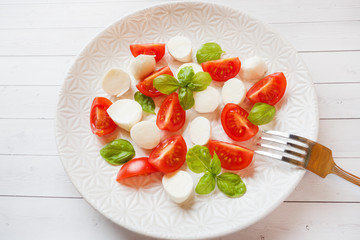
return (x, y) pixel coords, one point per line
(40, 38)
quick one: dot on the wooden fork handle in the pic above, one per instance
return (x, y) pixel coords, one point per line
(345, 175)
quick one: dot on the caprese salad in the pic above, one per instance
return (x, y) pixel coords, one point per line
(188, 89)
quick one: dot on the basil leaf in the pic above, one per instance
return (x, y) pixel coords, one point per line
(215, 165)
(231, 184)
(166, 84)
(261, 113)
(208, 51)
(117, 152)
(186, 98)
(198, 159)
(206, 184)
(200, 81)
(185, 75)
(147, 103)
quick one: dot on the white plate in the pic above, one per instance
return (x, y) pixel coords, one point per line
(141, 204)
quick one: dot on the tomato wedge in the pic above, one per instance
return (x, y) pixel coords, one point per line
(135, 167)
(100, 121)
(171, 116)
(232, 157)
(235, 123)
(223, 69)
(268, 90)
(169, 155)
(157, 49)
(146, 86)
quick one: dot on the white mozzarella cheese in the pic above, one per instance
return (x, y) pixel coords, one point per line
(179, 185)
(125, 113)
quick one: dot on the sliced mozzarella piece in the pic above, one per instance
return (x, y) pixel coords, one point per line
(179, 185)
(145, 134)
(180, 48)
(116, 82)
(125, 113)
(207, 100)
(253, 68)
(141, 66)
(200, 131)
(233, 91)
(197, 67)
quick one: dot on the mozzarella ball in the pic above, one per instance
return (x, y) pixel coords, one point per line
(141, 66)
(207, 100)
(253, 69)
(233, 91)
(145, 134)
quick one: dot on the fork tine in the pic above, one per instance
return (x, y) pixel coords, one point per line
(294, 145)
(280, 157)
(288, 151)
(291, 136)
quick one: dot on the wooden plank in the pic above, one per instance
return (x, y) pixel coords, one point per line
(34, 176)
(28, 101)
(333, 67)
(335, 101)
(34, 70)
(19, 135)
(27, 136)
(100, 14)
(30, 70)
(338, 100)
(41, 217)
(328, 36)
(341, 136)
(332, 188)
(44, 176)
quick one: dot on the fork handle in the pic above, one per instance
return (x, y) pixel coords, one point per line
(345, 175)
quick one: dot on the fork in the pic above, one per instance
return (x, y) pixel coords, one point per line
(304, 153)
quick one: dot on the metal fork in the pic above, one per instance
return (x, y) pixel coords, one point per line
(304, 153)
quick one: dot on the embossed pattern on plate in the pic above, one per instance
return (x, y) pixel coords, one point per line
(140, 204)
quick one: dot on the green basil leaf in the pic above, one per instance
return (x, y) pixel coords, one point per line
(185, 75)
(186, 98)
(117, 152)
(200, 81)
(231, 184)
(208, 51)
(166, 84)
(206, 184)
(198, 159)
(215, 165)
(261, 113)
(147, 103)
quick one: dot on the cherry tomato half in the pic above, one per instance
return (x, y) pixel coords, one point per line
(171, 115)
(169, 155)
(232, 157)
(100, 121)
(157, 49)
(146, 86)
(135, 167)
(223, 69)
(268, 90)
(235, 123)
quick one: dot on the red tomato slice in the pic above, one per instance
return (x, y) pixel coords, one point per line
(235, 123)
(171, 116)
(223, 69)
(169, 155)
(135, 167)
(232, 157)
(157, 49)
(268, 90)
(146, 86)
(100, 121)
